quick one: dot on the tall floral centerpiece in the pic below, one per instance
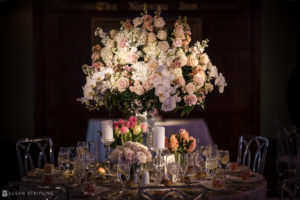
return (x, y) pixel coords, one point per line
(144, 66)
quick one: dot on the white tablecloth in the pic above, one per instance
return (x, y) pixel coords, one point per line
(196, 128)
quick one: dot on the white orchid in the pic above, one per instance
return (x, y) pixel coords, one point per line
(220, 82)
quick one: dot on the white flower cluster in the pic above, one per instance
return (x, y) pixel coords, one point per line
(142, 57)
(132, 152)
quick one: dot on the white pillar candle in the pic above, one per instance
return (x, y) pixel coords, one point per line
(159, 137)
(107, 130)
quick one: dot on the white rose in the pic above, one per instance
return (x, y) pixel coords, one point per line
(192, 60)
(123, 84)
(177, 72)
(204, 59)
(162, 35)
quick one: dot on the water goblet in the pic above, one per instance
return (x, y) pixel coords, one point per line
(211, 166)
(63, 158)
(224, 159)
(123, 172)
(172, 168)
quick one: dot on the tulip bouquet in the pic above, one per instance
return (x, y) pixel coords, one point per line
(180, 142)
(144, 66)
(128, 130)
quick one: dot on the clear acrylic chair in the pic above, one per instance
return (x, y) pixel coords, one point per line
(257, 145)
(172, 192)
(36, 191)
(35, 152)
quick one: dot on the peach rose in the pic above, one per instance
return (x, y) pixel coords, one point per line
(190, 99)
(123, 84)
(139, 90)
(173, 143)
(137, 21)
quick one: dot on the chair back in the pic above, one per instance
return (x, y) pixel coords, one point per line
(248, 144)
(172, 192)
(35, 152)
(36, 191)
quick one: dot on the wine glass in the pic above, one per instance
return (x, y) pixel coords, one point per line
(82, 148)
(172, 168)
(72, 157)
(211, 166)
(123, 172)
(63, 158)
(224, 159)
(183, 162)
(79, 168)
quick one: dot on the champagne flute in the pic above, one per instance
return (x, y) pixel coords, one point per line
(63, 158)
(123, 172)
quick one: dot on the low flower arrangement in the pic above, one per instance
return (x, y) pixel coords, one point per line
(180, 143)
(144, 66)
(132, 152)
(128, 130)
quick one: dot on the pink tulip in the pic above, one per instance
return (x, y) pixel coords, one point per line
(124, 129)
(144, 127)
(115, 124)
(121, 122)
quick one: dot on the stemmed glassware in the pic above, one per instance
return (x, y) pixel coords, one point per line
(183, 162)
(159, 164)
(172, 168)
(212, 161)
(63, 158)
(224, 159)
(200, 160)
(123, 171)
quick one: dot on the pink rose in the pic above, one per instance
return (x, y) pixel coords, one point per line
(97, 64)
(124, 129)
(144, 127)
(177, 42)
(162, 35)
(123, 84)
(139, 90)
(190, 99)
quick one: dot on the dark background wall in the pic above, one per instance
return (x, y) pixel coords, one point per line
(40, 44)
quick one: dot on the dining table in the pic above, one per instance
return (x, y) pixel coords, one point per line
(109, 188)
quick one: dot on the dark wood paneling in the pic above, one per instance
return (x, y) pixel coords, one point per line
(63, 38)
